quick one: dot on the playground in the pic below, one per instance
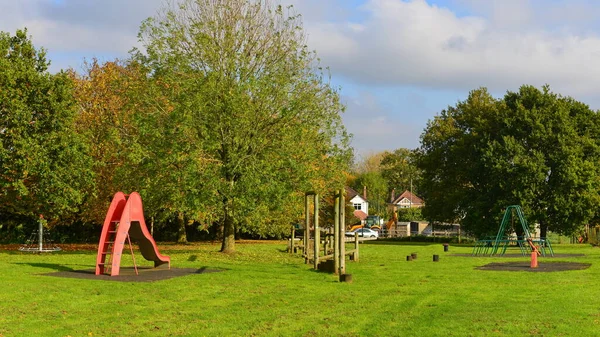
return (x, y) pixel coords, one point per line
(130, 285)
(264, 291)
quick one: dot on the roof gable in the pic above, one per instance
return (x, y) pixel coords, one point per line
(409, 196)
(351, 193)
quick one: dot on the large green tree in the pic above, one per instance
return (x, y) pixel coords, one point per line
(398, 168)
(250, 96)
(44, 165)
(532, 147)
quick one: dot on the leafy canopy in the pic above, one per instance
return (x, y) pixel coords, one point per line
(44, 166)
(254, 103)
(533, 148)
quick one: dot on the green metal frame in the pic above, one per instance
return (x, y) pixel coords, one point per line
(502, 238)
(500, 243)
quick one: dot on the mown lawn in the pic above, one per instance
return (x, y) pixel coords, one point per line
(264, 291)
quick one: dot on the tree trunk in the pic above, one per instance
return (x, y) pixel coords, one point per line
(236, 231)
(228, 245)
(181, 234)
(543, 230)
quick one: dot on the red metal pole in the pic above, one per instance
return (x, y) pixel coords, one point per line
(534, 262)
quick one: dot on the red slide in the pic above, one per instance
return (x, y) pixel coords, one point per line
(125, 220)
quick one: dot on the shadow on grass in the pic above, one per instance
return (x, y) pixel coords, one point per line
(128, 274)
(401, 243)
(53, 266)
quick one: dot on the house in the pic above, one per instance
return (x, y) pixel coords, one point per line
(359, 202)
(406, 200)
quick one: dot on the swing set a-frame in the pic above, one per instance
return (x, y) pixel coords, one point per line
(504, 239)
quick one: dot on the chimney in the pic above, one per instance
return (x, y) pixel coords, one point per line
(393, 195)
(364, 192)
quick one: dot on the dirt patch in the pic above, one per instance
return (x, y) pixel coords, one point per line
(542, 266)
(146, 274)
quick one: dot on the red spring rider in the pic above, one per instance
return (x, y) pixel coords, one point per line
(534, 254)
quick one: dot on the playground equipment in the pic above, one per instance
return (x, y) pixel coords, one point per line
(125, 220)
(334, 249)
(39, 241)
(499, 244)
(534, 254)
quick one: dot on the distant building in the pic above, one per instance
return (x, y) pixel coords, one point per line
(406, 200)
(359, 202)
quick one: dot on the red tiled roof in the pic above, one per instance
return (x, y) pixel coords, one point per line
(351, 193)
(360, 214)
(406, 194)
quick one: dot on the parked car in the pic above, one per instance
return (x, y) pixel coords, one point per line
(364, 232)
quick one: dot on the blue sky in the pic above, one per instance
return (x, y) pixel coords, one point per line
(398, 62)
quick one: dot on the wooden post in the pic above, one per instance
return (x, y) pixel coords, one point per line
(292, 244)
(306, 228)
(355, 247)
(337, 238)
(331, 240)
(317, 232)
(342, 214)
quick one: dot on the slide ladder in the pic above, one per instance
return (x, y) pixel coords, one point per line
(125, 220)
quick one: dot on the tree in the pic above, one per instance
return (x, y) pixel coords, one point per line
(105, 111)
(377, 191)
(139, 143)
(267, 122)
(368, 176)
(398, 168)
(533, 148)
(44, 166)
(370, 162)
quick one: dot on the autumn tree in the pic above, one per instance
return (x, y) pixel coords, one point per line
(138, 143)
(44, 166)
(105, 111)
(533, 148)
(252, 97)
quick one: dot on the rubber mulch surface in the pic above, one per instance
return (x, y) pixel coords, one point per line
(520, 255)
(146, 274)
(542, 267)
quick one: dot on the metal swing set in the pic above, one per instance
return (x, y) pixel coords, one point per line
(499, 244)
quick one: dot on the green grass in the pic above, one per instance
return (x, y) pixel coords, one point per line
(267, 292)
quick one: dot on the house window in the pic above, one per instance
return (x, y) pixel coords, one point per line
(357, 207)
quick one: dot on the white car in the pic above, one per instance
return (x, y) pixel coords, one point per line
(364, 233)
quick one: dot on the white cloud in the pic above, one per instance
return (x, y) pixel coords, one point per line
(380, 44)
(413, 43)
(374, 129)
(74, 28)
